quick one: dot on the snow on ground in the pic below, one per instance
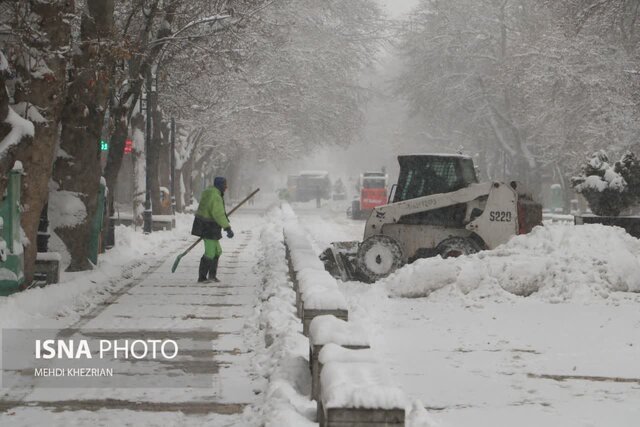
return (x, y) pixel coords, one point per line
(284, 360)
(552, 264)
(133, 289)
(468, 347)
(476, 351)
(58, 305)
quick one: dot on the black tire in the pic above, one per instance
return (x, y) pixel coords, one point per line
(379, 256)
(457, 246)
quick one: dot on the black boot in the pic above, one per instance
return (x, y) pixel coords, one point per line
(213, 269)
(203, 269)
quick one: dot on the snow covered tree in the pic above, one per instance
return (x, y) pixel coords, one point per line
(34, 45)
(609, 189)
(77, 170)
(509, 80)
(285, 84)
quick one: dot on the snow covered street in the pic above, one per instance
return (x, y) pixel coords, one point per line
(479, 355)
(212, 318)
(363, 213)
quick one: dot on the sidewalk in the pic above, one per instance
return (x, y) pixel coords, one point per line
(213, 319)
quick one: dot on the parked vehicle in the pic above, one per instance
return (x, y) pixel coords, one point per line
(372, 191)
(311, 185)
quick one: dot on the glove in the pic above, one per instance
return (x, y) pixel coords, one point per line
(229, 232)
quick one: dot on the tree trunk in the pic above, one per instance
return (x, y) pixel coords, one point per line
(47, 94)
(154, 157)
(139, 167)
(77, 173)
(179, 194)
(164, 166)
(115, 155)
(187, 171)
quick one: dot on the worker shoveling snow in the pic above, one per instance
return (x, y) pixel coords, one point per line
(554, 263)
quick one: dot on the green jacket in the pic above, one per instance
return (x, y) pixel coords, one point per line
(212, 207)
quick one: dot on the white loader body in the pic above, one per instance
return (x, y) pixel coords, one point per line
(497, 201)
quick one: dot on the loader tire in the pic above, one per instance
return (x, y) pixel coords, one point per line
(379, 256)
(457, 246)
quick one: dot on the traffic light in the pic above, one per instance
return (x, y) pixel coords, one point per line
(104, 145)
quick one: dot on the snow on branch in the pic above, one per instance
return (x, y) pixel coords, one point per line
(4, 64)
(20, 128)
(195, 23)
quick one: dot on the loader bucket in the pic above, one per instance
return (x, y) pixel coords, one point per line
(340, 260)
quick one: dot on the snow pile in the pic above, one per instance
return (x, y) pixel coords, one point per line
(359, 385)
(329, 329)
(555, 263)
(66, 209)
(284, 360)
(318, 288)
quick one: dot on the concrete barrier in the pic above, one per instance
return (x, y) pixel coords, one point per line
(349, 385)
(317, 291)
(359, 394)
(328, 330)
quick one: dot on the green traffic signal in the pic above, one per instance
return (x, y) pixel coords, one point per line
(104, 145)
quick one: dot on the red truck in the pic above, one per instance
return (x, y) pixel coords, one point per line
(372, 187)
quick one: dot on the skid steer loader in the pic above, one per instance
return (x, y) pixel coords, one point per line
(438, 208)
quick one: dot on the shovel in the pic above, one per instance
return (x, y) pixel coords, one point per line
(177, 261)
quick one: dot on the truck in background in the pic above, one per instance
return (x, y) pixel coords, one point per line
(372, 192)
(312, 184)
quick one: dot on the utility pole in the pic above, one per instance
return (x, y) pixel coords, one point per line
(173, 166)
(147, 215)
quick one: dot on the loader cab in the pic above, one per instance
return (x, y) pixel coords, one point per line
(428, 174)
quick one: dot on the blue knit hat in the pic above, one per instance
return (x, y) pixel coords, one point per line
(219, 182)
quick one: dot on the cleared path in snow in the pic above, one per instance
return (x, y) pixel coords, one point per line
(217, 340)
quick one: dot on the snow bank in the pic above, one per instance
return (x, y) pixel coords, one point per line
(66, 209)
(284, 360)
(318, 288)
(359, 385)
(554, 263)
(305, 259)
(329, 329)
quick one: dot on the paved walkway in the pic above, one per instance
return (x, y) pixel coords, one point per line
(215, 331)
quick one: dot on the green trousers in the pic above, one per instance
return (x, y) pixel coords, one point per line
(212, 248)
